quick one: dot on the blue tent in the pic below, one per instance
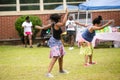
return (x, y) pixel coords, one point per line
(100, 5)
(70, 7)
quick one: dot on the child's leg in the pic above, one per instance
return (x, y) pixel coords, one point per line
(91, 61)
(30, 39)
(86, 59)
(25, 40)
(72, 40)
(90, 58)
(91, 52)
(87, 56)
(61, 70)
(54, 59)
(60, 61)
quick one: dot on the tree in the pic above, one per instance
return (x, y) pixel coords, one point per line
(18, 25)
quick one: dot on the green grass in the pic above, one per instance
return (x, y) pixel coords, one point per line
(18, 63)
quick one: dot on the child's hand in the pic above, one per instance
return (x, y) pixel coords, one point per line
(86, 25)
(110, 21)
(66, 10)
(38, 27)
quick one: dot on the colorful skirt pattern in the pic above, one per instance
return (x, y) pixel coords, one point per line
(56, 48)
(86, 50)
(84, 47)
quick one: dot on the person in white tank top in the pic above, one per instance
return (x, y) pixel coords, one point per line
(70, 27)
(27, 25)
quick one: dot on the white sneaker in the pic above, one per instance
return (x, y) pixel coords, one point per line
(64, 72)
(71, 48)
(49, 75)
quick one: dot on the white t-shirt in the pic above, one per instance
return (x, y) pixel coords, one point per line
(70, 25)
(27, 26)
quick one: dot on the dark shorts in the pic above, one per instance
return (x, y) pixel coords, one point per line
(71, 33)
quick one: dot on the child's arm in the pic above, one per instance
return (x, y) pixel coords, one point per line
(64, 20)
(43, 27)
(23, 25)
(101, 27)
(81, 24)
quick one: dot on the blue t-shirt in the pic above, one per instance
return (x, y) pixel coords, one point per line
(87, 35)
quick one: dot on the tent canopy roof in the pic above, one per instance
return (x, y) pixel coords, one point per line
(70, 7)
(100, 5)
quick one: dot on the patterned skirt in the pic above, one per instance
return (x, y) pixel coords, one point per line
(56, 48)
(86, 50)
(84, 47)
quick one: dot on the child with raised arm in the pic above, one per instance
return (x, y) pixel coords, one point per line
(57, 51)
(87, 37)
(71, 31)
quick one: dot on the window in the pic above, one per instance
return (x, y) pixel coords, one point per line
(29, 5)
(15, 6)
(7, 2)
(52, 4)
(74, 2)
(29, 1)
(7, 8)
(51, 1)
(82, 15)
(7, 5)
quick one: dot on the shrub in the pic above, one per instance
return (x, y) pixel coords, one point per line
(35, 21)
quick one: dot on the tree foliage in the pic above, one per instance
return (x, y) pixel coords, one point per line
(35, 21)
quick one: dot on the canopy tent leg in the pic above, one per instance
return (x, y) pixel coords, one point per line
(78, 15)
(87, 17)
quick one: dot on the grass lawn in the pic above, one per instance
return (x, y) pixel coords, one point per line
(19, 63)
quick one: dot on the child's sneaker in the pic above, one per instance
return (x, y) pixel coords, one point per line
(87, 64)
(49, 75)
(25, 46)
(92, 63)
(71, 48)
(64, 71)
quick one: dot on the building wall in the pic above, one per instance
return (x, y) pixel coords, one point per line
(7, 28)
(109, 15)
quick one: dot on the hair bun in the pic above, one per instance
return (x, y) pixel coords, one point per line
(100, 17)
